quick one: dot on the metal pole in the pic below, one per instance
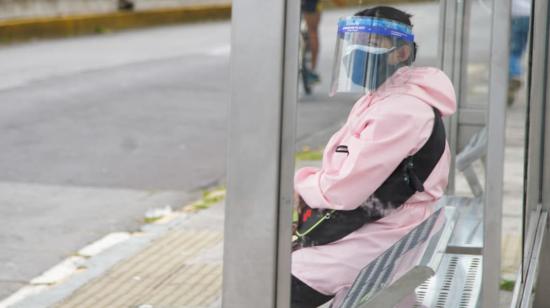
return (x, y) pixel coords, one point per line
(539, 51)
(540, 81)
(453, 52)
(463, 42)
(447, 35)
(264, 54)
(492, 216)
(536, 106)
(288, 141)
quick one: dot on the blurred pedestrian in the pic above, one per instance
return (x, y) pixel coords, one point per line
(311, 11)
(521, 11)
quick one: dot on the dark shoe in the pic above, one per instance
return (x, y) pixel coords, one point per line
(313, 77)
(125, 5)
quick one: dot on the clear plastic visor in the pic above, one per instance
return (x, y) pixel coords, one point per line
(368, 52)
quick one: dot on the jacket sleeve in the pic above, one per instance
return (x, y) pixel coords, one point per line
(376, 147)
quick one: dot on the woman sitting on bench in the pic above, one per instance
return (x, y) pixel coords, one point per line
(384, 170)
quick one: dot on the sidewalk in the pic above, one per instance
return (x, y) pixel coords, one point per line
(176, 263)
(183, 268)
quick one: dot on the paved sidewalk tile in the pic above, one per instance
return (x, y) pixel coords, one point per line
(511, 254)
(169, 273)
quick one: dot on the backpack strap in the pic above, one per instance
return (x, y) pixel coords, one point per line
(410, 175)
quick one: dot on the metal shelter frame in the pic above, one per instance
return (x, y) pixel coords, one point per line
(535, 268)
(264, 66)
(262, 115)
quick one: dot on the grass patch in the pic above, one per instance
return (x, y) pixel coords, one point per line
(209, 198)
(101, 30)
(507, 285)
(150, 220)
(308, 154)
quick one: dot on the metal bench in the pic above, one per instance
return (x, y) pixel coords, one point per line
(380, 283)
(457, 282)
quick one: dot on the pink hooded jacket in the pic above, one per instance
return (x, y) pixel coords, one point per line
(382, 129)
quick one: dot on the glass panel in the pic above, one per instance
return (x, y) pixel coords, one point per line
(513, 208)
(472, 136)
(472, 133)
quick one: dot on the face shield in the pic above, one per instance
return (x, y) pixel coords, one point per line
(368, 51)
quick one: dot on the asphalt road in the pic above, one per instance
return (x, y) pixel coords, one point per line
(96, 130)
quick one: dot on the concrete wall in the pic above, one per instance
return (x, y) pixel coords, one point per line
(12, 9)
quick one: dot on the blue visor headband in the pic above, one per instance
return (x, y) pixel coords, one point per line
(375, 25)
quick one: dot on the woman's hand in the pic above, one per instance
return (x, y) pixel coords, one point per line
(297, 211)
(299, 203)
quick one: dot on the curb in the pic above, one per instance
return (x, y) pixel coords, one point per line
(24, 29)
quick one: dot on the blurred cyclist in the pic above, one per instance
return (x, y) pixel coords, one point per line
(311, 10)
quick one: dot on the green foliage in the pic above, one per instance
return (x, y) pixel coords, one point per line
(309, 155)
(101, 30)
(150, 220)
(507, 285)
(209, 198)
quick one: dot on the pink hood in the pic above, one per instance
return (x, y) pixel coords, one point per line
(428, 84)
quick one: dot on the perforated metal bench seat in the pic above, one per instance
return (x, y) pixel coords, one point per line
(457, 282)
(447, 273)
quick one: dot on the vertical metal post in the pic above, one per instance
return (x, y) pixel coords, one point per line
(536, 107)
(447, 34)
(453, 51)
(463, 43)
(540, 82)
(288, 141)
(539, 51)
(264, 53)
(544, 94)
(492, 216)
